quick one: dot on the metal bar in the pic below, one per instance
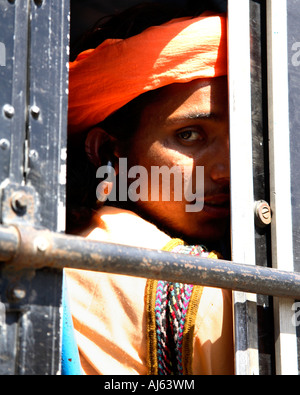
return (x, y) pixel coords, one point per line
(47, 118)
(260, 144)
(280, 181)
(241, 181)
(9, 242)
(33, 123)
(14, 23)
(37, 249)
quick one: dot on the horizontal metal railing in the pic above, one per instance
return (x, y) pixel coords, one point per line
(24, 247)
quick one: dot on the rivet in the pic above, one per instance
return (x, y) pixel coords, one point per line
(41, 244)
(16, 293)
(33, 155)
(4, 144)
(19, 202)
(8, 110)
(35, 111)
(38, 3)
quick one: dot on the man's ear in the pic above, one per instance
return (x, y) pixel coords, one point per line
(99, 146)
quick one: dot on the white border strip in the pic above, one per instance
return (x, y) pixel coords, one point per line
(242, 197)
(280, 183)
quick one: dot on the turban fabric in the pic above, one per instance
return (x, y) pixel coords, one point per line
(104, 79)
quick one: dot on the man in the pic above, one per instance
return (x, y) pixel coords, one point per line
(157, 98)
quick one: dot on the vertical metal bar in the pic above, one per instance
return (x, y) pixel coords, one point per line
(280, 182)
(30, 300)
(260, 147)
(47, 121)
(14, 25)
(45, 171)
(242, 222)
(14, 22)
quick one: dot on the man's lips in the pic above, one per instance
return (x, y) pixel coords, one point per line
(219, 199)
(217, 205)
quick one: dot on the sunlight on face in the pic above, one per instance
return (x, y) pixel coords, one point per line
(187, 126)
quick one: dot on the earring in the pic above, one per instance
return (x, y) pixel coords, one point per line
(105, 187)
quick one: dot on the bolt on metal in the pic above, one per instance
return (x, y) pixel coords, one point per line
(263, 214)
(33, 155)
(19, 202)
(41, 244)
(38, 3)
(4, 144)
(16, 293)
(8, 110)
(35, 111)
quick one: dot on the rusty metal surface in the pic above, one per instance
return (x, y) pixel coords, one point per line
(36, 249)
(19, 204)
(33, 123)
(9, 242)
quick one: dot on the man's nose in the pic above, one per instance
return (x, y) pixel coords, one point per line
(220, 170)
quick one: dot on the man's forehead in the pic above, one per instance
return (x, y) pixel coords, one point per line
(187, 89)
(202, 98)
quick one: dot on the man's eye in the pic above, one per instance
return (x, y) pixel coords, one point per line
(189, 135)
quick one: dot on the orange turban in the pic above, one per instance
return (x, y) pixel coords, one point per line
(104, 79)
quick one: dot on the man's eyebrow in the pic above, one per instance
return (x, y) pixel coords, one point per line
(191, 117)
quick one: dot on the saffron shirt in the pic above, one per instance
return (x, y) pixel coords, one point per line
(109, 310)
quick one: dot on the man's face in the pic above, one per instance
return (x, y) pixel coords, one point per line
(187, 126)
